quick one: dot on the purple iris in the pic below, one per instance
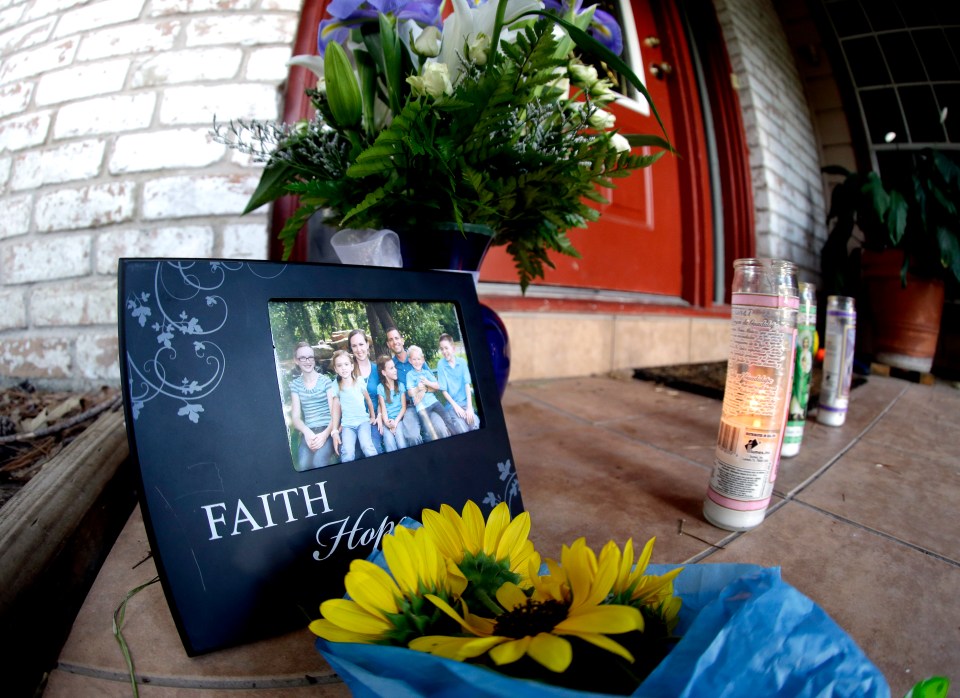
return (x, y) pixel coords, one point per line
(346, 14)
(603, 27)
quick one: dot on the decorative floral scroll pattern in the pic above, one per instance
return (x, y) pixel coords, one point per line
(511, 488)
(184, 312)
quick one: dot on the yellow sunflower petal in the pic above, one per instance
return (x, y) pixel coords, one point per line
(372, 588)
(458, 648)
(497, 523)
(514, 538)
(603, 581)
(334, 633)
(645, 556)
(603, 619)
(579, 565)
(444, 534)
(349, 615)
(510, 651)
(470, 623)
(510, 596)
(604, 642)
(626, 565)
(472, 527)
(551, 651)
(397, 551)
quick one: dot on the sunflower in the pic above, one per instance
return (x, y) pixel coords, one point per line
(565, 604)
(653, 594)
(486, 554)
(390, 608)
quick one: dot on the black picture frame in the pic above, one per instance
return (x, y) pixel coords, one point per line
(246, 546)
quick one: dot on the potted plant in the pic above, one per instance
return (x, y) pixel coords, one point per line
(493, 117)
(897, 240)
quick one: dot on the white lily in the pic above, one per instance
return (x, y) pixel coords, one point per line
(312, 63)
(468, 21)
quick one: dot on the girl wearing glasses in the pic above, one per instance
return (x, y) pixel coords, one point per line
(314, 412)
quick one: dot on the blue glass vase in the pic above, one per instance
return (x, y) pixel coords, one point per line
(445, 246)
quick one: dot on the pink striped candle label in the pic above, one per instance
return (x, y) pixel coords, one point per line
(765, 300)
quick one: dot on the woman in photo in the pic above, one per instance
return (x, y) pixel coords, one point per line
(313, 412)
(392, 400)
(360, 348)
(356, 408)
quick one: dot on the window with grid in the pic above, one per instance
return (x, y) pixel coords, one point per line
(902, 59)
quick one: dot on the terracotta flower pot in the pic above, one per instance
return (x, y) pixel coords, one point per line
(905, 320)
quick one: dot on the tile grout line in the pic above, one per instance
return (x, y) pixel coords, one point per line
(791, 495)
(882, 534)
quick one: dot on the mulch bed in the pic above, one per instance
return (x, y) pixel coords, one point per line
(35, 425)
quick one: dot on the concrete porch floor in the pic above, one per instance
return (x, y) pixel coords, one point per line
(864, 522)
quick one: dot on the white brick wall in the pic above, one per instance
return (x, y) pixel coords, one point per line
(105, 151)
(784, 158)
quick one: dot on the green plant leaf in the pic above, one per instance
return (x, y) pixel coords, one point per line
(896, 217)
(949, 250)
(272, 184)
(589, 45)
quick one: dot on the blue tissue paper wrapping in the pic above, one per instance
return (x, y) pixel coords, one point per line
(745, 633)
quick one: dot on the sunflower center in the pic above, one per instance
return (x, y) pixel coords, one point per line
(530, 618)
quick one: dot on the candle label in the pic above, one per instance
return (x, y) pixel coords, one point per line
(754, 404)
(744, 460)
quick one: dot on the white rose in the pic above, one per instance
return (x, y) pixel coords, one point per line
(602, 119)
(477, 48)
(428, 43)
(585, 75)
(434, 81)
(620, 143)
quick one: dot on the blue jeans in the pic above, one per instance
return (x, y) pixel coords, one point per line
(308, 460)
(350, 435)
(461, 424)
(411, 427)
(375, 438)
(393, 442)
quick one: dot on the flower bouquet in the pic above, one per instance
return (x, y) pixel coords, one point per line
(493, 117)
(462, 606)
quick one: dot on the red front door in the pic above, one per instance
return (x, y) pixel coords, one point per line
(638, 243)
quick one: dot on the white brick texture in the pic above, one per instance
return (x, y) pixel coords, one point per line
(106, 108)
(164, 150)
(75, 303)
(45, 259)
(16, 216)
(86, 207)
(82, 81)
(73, 161)
(98, 14)
(200, 195)
(14, 315)
(105, 115)
(190, 65)
(787, 186)
(173, 241)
